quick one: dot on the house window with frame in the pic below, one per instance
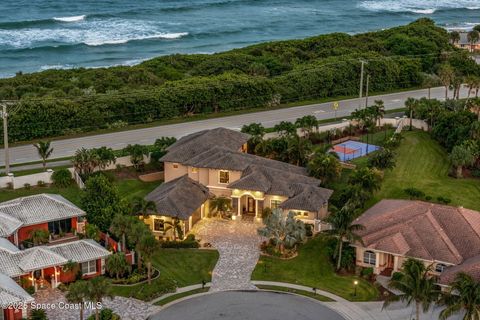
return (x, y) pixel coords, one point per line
(194, 170)
(89, 267)
(175, 166)
(370, 258)
(274, 204)
(158, 225)
(440, 267)
(224, 176)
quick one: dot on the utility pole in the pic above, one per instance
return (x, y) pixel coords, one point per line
(361, 80)
(366, 91)
(4, 116)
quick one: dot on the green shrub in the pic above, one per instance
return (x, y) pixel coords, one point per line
(366, 272)
(27, 186)
(38, 314)
(105, 314)
(186, 244)
(62, 178)
(414, 193)
(444, 200)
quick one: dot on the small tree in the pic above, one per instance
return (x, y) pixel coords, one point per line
(85, 161)
(147, 247)
(416, 286)
(285, 128)
(100, 200)
(44, 151)
(445, 74)
(98, 289)
(411, 105)
(368, 179)
(220, 205)
(461, 156)
(135, 234)
(454, 37)
(105, 157)
(78, 293)
(324, 165)
(382, 159)
(92, 232)
(463, 297)
(256, 132)
(142, 207)
(176, 226)
(284, 232)
(117, 265)
(298, 150)
(119, 227)
(344, 229)
(472, 38)
(62, 178)
(136, 152)
(160, 147)
(307, 124)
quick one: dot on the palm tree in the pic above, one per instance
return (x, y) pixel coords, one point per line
(461, 156)
(220, 205)
(176, 226)
(119, 227)
(98, 289)
(445, 74)
(85, 161)
(117, 264)
(44, 151)
(368, 180)
(306, 124)
(324, 165)
(411, 105)
(143, 207)
(472, 38)
(78, 293)
(416, 286)
(285, 128)
(470, 83)
(344, 229)
(462, 297)
(298, 150)
(135, 234)
(378, 111)
(256, 132)
(147, 247)
(454, 37)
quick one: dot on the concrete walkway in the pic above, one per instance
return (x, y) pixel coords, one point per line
(238, 245)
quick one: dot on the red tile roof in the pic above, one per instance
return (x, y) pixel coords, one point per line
(424, 231)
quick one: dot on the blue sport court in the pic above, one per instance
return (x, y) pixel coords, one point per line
(350, 149)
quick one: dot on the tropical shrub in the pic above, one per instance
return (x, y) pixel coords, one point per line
(62, 178)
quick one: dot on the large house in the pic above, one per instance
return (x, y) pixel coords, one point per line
(444, 237)
(215, 163)
(463, 42)
(26, 263)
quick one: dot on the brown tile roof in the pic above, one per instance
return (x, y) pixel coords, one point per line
(470, 266)
(422, 230)
(196, 143)
(179, 197)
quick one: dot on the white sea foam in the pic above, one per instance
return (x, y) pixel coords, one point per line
(70, 19)
(94, 32)
(418, 6)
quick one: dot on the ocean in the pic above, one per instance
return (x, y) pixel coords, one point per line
(38, 35)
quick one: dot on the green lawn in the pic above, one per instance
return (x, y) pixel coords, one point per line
(312, 268)
(423, 164)
(178, 267)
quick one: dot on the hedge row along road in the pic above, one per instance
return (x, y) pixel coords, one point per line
(147, 136)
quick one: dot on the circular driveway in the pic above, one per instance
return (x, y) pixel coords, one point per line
(251, 305)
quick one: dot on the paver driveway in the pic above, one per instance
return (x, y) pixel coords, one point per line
(238, 245)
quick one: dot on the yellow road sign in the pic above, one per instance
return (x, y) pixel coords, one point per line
(335, 105)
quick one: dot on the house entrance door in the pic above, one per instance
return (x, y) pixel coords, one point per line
(250, 205)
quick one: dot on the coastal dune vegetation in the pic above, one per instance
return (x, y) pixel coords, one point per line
(63, 102)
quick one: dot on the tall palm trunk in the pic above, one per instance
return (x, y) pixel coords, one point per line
(411, 116)
(149, 272)
(340, 248)
(124, 242)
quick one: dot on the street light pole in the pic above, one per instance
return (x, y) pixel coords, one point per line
(4, 116)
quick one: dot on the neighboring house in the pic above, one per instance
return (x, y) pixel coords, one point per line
(445, 237)
(214, 163)
(42, 266)
(463, 43)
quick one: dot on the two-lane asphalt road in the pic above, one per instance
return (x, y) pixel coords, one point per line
(118, 140)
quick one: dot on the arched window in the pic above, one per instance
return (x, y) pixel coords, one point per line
(369, 257)
(440, 267)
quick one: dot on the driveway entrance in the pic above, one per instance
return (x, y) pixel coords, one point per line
(238, 245)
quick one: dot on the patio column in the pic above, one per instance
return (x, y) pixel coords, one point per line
(55, 277)
(239, 206)
(256, 208)
(377, 262)
(395, 263)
